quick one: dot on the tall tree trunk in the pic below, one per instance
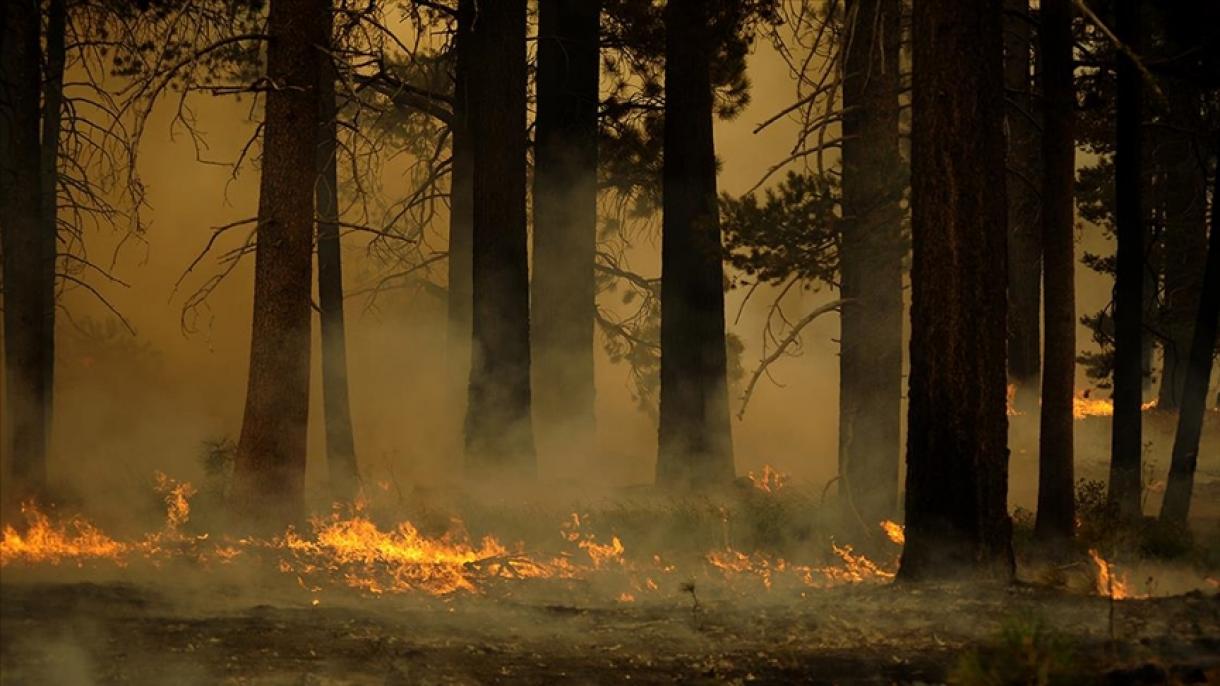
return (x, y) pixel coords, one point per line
(565, 225)
(271, 451)
(870, 258)
(52, 123)
(1056, 520)
(499, 433)
(1185, 245)
(1024, 227)
(1176, 505)
(1126, 437)
(336, 408)
(696, 445)
(957, 449)
(27, 259)
(461, 208)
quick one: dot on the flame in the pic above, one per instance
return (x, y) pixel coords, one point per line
(894, 531)
(75, 540)
(1084, 406)
(1109, 582)
(350, 549)
(1010, 397)
(770, 480)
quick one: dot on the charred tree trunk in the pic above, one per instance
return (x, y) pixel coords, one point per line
(565, 225)
(870, 258)
(1185, 244)
(336, 407)
(499, 434)
(461, 210)
(1024, 226)
(29, 254)
(1176, 506)
(1126, 437)
(271, 451)
(957, 452)
(696, 446)
(1056, 519)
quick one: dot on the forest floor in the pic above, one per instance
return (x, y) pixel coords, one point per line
(549, 631)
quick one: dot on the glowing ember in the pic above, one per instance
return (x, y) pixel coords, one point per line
(894, 531)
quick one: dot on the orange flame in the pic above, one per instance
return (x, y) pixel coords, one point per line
(894, 531)
(770, 480)
(1108, 581)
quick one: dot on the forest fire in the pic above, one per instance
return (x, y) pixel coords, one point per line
(350, 549)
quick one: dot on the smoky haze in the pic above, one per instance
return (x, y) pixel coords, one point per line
(126, 406)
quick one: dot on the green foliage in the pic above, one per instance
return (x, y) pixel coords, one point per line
(1026, 652)
(792, 231)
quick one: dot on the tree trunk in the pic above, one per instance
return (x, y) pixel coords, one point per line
(499, 434)
(29, 256)
(1126, 438)
(1024, 227)
(461, 210)
(870, 258)
(336, 408)
(565, 225)
(1056, 519)
(957, 454)
(271, 451)
(1185, 245)
(696, 446)
(52, 123)
(1176, 505)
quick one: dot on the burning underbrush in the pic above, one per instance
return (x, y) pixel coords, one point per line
(363, 547)
(769, 537)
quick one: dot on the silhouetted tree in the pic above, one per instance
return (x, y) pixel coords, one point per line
(695, 441)
(871, 249)
(957, 455)
(270, 467)
(1126, 441)
(29, 254)
(499, 435)
(565, 224)
(1056, 518)
(1176, 504)
(461, 209)
(336, 408)
(1024, 230)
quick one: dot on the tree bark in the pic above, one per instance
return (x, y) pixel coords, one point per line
(1176, 505)
(1185, 242)
(1126, 436)
(336, 407)
(29, 255)
(461, 210)
(499, 432)
(695, 439)
(270, 471)
(1024, 226)
(565, 225)
(1056, 518)
(870, 258)
(957, 521)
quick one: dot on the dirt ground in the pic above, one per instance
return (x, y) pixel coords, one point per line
(116, 632)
